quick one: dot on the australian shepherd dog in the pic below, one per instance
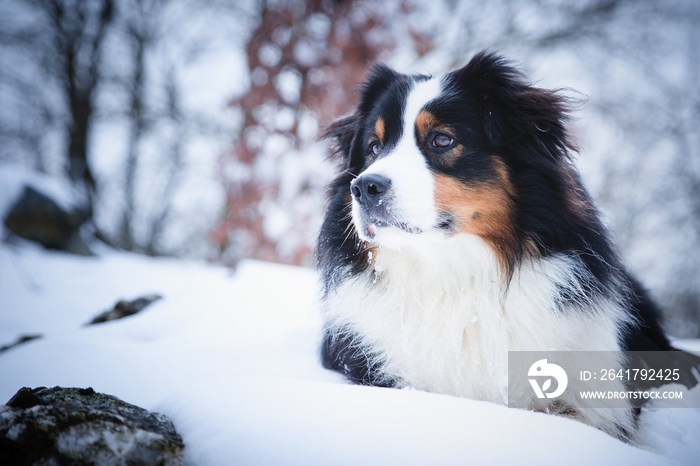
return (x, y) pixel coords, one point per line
(458, 229)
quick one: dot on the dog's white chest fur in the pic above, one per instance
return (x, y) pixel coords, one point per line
(444, 320)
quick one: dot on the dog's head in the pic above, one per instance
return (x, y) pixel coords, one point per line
(476, 151)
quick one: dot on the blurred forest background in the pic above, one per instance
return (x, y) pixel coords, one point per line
(190, 128)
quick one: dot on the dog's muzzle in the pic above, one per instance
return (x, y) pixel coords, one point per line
(374, 200)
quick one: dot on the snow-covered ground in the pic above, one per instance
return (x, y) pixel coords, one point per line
(231, 357)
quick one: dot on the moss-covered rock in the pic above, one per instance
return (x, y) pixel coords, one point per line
(47, 426)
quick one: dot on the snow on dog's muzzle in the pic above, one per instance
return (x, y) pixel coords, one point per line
(371, 191)
(373, 206)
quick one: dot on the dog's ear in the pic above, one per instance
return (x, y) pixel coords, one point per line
(513, 111)
(341, 132)
(378, 80)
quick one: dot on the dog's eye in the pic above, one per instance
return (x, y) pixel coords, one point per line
(375, 148)
(442, 141)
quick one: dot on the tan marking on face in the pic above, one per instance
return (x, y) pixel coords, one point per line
(379, 130)
(427, 122)
(484, 209)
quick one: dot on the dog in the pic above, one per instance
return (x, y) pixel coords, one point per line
(458, 229)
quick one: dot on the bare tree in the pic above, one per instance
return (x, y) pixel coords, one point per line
(78, 31)
(139, 31)
(66, 44)
(176, 150)
(149, 79)
(72, 68)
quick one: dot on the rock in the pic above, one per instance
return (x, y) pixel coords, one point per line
(36, 217)
(125, 308)
(52, 426)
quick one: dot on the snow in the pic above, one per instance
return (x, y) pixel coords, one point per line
(231, 357)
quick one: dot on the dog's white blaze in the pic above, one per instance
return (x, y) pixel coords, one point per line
(444, 321)
(412, 182)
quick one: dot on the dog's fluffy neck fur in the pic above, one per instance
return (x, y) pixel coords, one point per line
(442, 318)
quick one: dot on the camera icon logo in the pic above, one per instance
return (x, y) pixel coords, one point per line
(542, 370)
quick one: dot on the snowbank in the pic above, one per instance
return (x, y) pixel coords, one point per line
(231, 357)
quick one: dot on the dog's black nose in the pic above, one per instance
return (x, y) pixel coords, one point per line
(371, 187)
